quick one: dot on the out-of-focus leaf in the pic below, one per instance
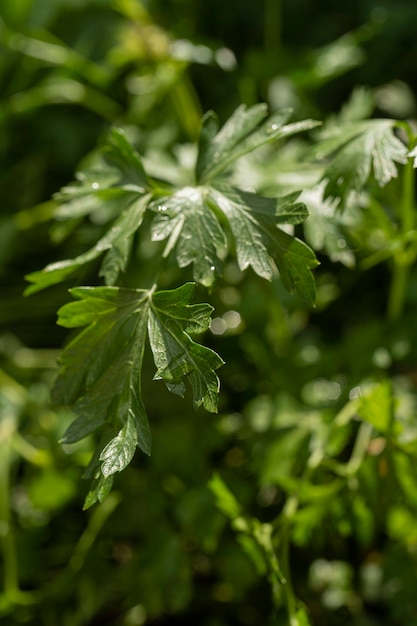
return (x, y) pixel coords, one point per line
(356, 149)
(327, 229)
(116, 242)
(254, 536)
(240, 135)
(376, 406)
(225, 500)
(301, 618)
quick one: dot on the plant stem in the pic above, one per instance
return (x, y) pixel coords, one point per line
(359, 450)
(398, 287)
(399, 282)
(8, 548)
(407, 207)
(289, 512)
(89, 536)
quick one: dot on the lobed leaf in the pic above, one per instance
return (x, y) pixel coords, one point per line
(100, 375)
(120, 450)
(176, 355)
(253, 222)
(99, 490)
(118, 152)
(240, 135)
(356, 150)
(193, 231)
(116, 242)
(116, 171)
(101, 368)
(216, 149)
(330, 230)
(116, 188)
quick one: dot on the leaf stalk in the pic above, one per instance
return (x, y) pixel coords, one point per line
(402, 261)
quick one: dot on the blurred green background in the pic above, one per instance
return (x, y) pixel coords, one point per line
(158, 551)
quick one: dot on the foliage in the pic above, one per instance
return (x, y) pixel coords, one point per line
(265, 263)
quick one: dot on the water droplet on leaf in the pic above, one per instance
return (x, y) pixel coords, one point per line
(272, 129)
(95, 186)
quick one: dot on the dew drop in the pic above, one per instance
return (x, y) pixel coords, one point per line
(95, 186)
(162, 207)
(212, 268)
(274, 127)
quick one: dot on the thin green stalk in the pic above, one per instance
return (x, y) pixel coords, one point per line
(8, 547)
(89, 536)
(290, 510)
(359, 450)
(398, 288)
(407, 207)
(285, 520)
(402, 261)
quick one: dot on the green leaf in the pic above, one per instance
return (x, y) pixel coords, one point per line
(254, 536)
(101, 368)
(114, 188)
(240, 135)
(193, 230)
(225, 500)
(176, 355)
(100, 374)
(116, 173)
(286, 209)
(216, 149)
(357, 149)
(328, 229)
(359, 107)
(376, 407)
(99, 490)
(120, 450)
(117, 242)
(301, 618)
(119, 153)
(253, 221)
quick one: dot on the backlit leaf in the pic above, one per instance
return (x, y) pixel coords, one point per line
(239, 135)
(356, 150)
(193, 230)
(116, 242)
(115, 187)
(253, 221)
